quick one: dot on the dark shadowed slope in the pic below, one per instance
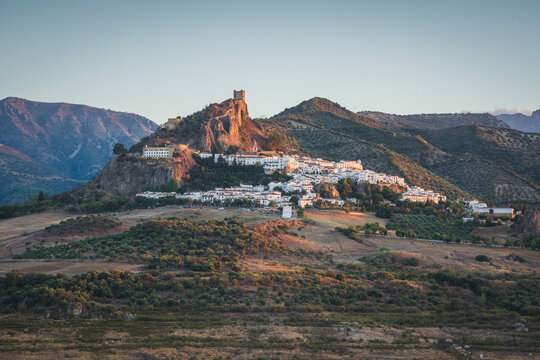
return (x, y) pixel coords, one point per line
(51, 147)
(433, 121)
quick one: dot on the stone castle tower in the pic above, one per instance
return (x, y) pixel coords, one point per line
(239, 95)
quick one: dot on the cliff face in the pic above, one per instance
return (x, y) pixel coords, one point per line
(228, 125)
(125, 176)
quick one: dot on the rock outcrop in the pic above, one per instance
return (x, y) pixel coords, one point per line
(127, 175)
(328, 190)
(530, 224)
(228, 125)
(218, 127)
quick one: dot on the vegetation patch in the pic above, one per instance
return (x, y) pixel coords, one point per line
(449, 228)
(170, 244)
(83, 224)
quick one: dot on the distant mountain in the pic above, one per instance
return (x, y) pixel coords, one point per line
(433, 121)
(52, 147)
(522, 122)
(495, 163)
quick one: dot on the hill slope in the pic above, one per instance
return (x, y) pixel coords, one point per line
(52, 147)
(433, 121)
(325, 129)
(522, 122)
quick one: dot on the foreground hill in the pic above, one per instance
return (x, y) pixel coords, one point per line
(325, 129)
(522, 122)
(433, 121)
(52, 147)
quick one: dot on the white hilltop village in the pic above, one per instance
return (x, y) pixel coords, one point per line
(306, 173)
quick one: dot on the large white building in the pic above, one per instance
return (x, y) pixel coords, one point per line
(481, 208)
(158, 152)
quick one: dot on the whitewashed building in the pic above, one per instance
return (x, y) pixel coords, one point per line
(158, 152)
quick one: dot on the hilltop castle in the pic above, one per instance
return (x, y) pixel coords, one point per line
(239, 95)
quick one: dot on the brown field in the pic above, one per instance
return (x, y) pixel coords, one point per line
(29, 223)
(318, 235)
(23, 232)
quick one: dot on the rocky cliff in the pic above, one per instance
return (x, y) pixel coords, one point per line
(127, 175)
(228, 125)
(217, 127)
(530, 224)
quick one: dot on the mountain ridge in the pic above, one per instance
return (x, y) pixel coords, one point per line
(433, 121)
(64, 143)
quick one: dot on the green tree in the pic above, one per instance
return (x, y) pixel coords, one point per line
(119, 149)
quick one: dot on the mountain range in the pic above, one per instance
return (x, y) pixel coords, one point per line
(56, 146)
(52, 147)
(522, 122)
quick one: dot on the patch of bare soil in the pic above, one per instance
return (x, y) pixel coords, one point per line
(29, 223)
(196, 213)
(500, 233)
(276, 263)
(19, 244)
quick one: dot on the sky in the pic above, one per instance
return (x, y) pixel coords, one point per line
(163, 59)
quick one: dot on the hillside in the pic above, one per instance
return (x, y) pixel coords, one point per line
(510, 149)
(325, 129)
(522, 122)
(433, 121)
(52, 147)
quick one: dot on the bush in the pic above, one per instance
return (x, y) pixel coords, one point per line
(482, 258)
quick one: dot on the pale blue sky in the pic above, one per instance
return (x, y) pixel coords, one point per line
(166, 58)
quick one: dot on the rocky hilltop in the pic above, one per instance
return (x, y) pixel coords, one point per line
(218, 127)
(52, 147)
